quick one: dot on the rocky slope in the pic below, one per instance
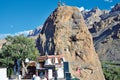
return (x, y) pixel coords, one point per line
(65, 32)
(34, 33)
(93, 16)
(116, 8)
(106, 35)
(2, 41)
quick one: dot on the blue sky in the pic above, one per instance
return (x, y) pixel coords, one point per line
(22, 15)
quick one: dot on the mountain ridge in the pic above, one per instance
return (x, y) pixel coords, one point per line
(106, 33)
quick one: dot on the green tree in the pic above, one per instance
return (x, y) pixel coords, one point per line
(18, 47)
(111, 70)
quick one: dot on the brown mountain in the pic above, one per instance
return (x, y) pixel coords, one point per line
(65, 32)
(106, 35)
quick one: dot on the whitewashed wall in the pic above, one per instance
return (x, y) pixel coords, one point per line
(3, 74)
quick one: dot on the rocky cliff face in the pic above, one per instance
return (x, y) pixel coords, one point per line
(93, 16)
(116, 7)
(34, 33)
(65, 32)
(106, 35)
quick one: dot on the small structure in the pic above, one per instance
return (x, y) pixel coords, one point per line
(51, 66)
(3, 74)
(59, 4)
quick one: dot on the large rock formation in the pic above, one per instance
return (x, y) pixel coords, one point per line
(93, 16)
(65, 32)
(106, 35)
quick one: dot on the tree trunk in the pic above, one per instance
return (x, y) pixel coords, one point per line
(24, 67)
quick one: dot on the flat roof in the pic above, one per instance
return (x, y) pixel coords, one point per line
(49, 56)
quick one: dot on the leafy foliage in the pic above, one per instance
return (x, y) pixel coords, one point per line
(18, 47)
(111, 70)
